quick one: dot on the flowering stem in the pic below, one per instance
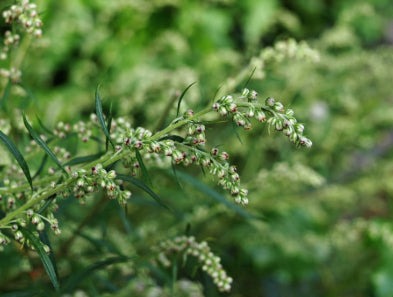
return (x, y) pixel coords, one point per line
(106, 160)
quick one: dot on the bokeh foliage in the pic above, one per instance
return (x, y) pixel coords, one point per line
(319, 221)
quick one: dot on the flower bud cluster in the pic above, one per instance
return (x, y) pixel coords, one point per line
(215, 161)
(285, 121)
(290, 49)
(186, 152)
(13, 74)
(23, 13)
(133, 139)
(39, 220)
(195, 134)
(4, 240)
(272, 111)
(62, 154)
(89, 182)
(226, 106)
(82, 129)
(187, 246)
(10, 39)
(26, 14)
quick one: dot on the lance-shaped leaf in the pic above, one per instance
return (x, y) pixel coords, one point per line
(18, 157)
(42, 125)
(46, 261)
(181, 97)
(145, 173)
(87, 272)
(140, 184)
(83, 159)
(42, 143)
(6, 93)
(101, 120)
(210, 192)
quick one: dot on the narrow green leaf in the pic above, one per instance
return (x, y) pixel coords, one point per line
(101, 119)
(46, 261)
(100, 245)
(145, 174)
(24, 293)
(83, 159)
(175, 175)
(249, 78)
(6, 93)
(79, 276)
(140, 184)
(108, 126)
(42, 125)
(234, 126)
(42, 166)
(18, 157)
(48, 202)
(176, 138)
(181, 97)
(42, 143)
(208, 191)
(174, 277)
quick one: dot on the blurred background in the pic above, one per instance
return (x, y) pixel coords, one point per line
(319, 221)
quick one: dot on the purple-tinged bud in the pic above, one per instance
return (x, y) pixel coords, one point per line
(214, 151)
(233, 107)
(252, 96)
(270, 101)
(200, 128)
(224, 156)
(138, 144)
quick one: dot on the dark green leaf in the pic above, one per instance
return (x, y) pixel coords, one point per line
(176, 138)
(26, 293)
(145, 174)
(42, 143)
(101, 119)
(46, 261)
(181, 97)
(140, 184)
(78, 277)
(43, 126)
(6, 93)
(48, 202)
(108, 126)
(234, 126)
(42, 165)
(83, 159)
(249, 78)
(197, 184)
(18, 156)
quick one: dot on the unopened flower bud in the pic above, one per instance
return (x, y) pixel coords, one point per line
(245, 92)
(18, 236)
(233, 107)
(222, 111)
(260, 116)
(270, 101)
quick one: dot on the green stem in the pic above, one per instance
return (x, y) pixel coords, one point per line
(107, 159)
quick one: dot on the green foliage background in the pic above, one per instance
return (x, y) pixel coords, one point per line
(321, 219)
